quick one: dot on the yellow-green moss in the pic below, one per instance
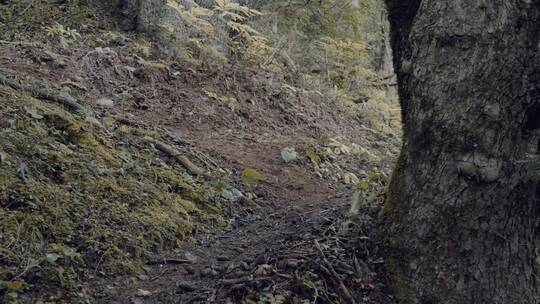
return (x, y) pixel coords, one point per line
(75, 198)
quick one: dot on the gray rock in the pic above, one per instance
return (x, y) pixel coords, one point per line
(185, 287)
(289, 154)
(143, 293)
(105, 102)
(190, 257)
(232, 194)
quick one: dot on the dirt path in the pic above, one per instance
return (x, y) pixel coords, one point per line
(268, 252)
(236, 262)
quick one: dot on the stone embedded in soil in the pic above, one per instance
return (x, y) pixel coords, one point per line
(289, 154)
(189, 269)
(223, 258)
(263, 270)
(143, 293)
(185, 287)
(190, 257)
(105, 102)
(232, 194)
(143, 277)
(209, 272)
(261, 259)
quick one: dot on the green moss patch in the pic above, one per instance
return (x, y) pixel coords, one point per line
(76, 199)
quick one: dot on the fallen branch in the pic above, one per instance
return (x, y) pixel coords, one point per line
(66, 100)
(169, 150)
(169, 261)
(19, 43)
(332, 271)
(228, 282)
(127, 121)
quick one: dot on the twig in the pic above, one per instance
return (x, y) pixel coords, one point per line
(127, 121)
(66, 100)
(18, 43)
(191, 167)
(243, 280)
(331, 269)
(169, 261)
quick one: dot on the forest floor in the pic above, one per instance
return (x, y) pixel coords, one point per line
(269, 252)
(288, 238)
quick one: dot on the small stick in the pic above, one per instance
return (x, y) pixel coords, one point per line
(169, 261)
(18, 43)
(191, 167)
(331, 269)
(243, 280)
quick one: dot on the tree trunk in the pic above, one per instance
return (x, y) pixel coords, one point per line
(459, 221)
(149, 16)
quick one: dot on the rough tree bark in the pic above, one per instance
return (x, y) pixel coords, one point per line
(148, 16)
(460, 214)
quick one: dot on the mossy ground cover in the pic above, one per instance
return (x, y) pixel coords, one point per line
(77, 199)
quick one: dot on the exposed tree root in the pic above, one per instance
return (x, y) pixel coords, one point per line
(42, 93)
(344, 290)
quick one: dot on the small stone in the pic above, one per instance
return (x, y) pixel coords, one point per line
(189, 269)
(105, 102)
(261, 259)
(263, 270)
(190, 257)
(223, 258)
(209, 272)
(185, 287)
(206, 272)
(143, 293)
(143, 277)
(232, 194)
(289, 154)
